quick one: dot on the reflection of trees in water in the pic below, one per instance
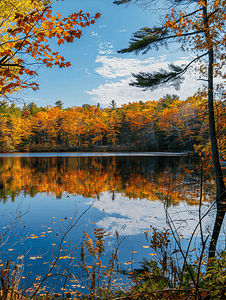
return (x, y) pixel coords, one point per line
(134, 176)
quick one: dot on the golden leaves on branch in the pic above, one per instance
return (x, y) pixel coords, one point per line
(25, 32)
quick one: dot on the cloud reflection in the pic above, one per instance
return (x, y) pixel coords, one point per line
(133, 217)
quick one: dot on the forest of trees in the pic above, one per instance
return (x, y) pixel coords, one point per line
(168, 124)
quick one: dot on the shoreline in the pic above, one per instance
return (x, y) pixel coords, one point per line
(99, 153)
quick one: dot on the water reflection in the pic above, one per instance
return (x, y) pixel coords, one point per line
(134, 177)
(128, 195)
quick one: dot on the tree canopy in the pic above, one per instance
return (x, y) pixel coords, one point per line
(26, 28)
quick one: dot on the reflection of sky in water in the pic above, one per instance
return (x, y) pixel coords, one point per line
(128, 216)
(49, 216)
(132, 217)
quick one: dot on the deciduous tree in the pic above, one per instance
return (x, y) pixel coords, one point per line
(26, 26)
(200, 30)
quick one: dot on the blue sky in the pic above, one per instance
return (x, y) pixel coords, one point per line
(98, 73)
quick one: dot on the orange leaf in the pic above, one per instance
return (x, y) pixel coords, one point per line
(3, 273)
(97, 15)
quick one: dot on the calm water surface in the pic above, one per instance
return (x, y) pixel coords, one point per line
(126, 194)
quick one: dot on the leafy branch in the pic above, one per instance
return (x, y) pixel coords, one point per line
(162, 77)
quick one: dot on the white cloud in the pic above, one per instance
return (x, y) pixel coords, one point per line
(123, 30)
(113, 67)
(120, 69)
(102, 26)
(93, 33)
(88, 73)
(105, 49)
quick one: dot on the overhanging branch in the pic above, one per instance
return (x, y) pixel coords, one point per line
(162, 77)
(145, 38)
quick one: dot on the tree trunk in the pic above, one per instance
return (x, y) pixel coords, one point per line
(220, 195)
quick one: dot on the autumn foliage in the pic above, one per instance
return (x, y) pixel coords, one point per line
(167, 124)
(26, 28)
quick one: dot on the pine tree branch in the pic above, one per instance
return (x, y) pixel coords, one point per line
(147, 38)
(118, 2)
(162, 77)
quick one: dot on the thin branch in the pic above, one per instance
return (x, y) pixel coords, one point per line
(59, 251)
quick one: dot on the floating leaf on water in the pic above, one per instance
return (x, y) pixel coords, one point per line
(56, 295)
(128, 263)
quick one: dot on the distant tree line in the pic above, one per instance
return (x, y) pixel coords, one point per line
(168, 124)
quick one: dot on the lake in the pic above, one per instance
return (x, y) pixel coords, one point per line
(125, 194)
